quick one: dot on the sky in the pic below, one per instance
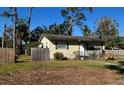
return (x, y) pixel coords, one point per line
(49, 15)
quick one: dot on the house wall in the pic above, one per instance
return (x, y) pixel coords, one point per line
(73, 46)
(69, 53)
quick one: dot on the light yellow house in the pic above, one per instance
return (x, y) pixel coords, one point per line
(69, 45)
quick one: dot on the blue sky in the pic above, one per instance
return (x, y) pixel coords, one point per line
(46, 16)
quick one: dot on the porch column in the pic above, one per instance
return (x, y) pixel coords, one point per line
(102, 47)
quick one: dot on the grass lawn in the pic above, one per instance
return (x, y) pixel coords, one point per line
(25, 63)
(58, 72)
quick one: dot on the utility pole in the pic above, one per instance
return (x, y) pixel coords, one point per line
(14, 30)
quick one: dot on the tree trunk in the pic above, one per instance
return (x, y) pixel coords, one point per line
(14, 31)
(4, 32)
(28, 26)
(28, 21)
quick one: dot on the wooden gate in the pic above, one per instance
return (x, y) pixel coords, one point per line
(40, 54)
(7, 55)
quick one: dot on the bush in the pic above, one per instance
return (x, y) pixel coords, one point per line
(77, 54)
(111, 57)
(64, 58)
(58, 56)
(102, 54)
(92, 56)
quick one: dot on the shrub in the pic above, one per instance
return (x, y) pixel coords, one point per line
(58, 56)
(77, 54)
(110, 58)
(102, 54)
(64, 58)
(92, 56)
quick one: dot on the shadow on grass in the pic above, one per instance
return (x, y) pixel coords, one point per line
(118, 67)
(121, 62)
(20, 61)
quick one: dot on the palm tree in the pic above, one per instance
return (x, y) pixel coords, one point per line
(5, 14)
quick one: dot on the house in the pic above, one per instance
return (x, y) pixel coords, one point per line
(69, 45)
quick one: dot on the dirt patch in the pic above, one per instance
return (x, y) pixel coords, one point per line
(84, 75)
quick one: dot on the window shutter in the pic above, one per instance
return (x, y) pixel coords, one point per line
(67, 45)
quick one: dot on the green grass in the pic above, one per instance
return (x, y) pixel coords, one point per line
(24, 63)
(46, 65)
(23, 58)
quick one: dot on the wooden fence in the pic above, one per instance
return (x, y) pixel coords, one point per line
(7, 55)
(115, 52)
(40, 54)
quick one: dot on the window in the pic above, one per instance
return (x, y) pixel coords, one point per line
(91, 46)
(62, 46)
(67, 45)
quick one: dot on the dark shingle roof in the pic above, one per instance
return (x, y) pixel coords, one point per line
(53, 37)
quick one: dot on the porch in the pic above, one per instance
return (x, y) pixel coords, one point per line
(91, 49)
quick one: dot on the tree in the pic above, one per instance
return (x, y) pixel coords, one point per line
(6, 15)
(74, 16)
(56, 29)
(28, 27)
(107, 29)
(36, 33)
(51, 29)
(120, 42)
(21, 35)
(29, 20)
(9, 37)
(32, 44)
(85, 30)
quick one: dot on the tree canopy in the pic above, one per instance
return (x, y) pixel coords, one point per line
(107, 29)
(86, 30)
(74, 16)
